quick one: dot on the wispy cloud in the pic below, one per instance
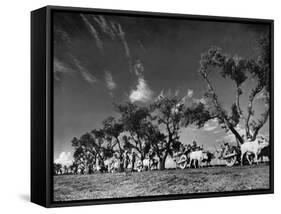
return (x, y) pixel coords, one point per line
(62, 34)
(104, 25)
(142, 92)
(59, 68)
(87, 76)
(177, 92)
(262, 95)
(217, 131)
(138, 68)
(93, 32)
(114, 30)
(160, 95)
(110, 83)
(190, 93)
(118, 30)
(188, 96)
(142, 46)
(64, 158)
(122, 36)
(211, 125)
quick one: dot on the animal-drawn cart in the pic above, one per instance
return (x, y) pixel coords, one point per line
(182, 160)
(230, 155)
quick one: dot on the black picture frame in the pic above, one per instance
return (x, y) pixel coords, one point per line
(42, 106)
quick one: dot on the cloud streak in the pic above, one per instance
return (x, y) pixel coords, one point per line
(62, 34)
(93, 32)
(86, 75)
(142, 92)
(118, 30)
(112, 29)
(262, 95)
(211, 125)
(104, 25)
(59, 68)
(110, 83)
(190, 93)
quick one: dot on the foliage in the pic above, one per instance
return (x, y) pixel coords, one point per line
(154, 129)
(238, 70)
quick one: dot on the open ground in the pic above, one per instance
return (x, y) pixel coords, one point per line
(152, 183)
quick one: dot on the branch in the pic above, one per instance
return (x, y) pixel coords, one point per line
(238, 93)
(136, 142)
(118, 142)
(262, 121)
(252, 96)
(140, 143)
(219, 109)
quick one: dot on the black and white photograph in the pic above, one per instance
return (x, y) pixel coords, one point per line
(147, 105)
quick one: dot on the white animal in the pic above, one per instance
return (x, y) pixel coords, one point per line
(146, 164)
(112, 164)
(196, 156)
(142, 164)
(253, 147)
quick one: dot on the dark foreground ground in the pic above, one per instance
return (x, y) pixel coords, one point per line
(214, 179)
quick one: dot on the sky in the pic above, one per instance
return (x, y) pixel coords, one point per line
(101, 59)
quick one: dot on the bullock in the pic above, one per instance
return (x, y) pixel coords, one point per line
(265, 152)
(208, 156)
(147, 164)
(253, 147)
(196, 156)
(143, 165)
(112, 164)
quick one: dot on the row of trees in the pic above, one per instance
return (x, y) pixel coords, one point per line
(140, 128)
(157, 126)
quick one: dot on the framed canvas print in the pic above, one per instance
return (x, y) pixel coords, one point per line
(139, 106)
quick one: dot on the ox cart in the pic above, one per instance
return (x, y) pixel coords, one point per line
(181, 159)
(230, 155)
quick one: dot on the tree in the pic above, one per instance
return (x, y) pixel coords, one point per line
(238, 70)
(105, 147)
(135, 121)
(168, 113)
(85, 151)
(157, 141)
(57, 167)
(112, 129)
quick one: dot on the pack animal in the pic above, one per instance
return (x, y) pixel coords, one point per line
(208, 156)
(253, 147)
(196, 157)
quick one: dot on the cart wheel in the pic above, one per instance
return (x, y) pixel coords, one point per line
(183, 162)
(231, 161)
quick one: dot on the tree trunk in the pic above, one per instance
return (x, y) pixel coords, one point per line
(162, 163)
(162, 160)
(219, 109)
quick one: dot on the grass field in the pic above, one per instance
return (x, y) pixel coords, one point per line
(214, 179)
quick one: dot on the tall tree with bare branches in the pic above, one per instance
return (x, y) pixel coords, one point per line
(238, 70)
